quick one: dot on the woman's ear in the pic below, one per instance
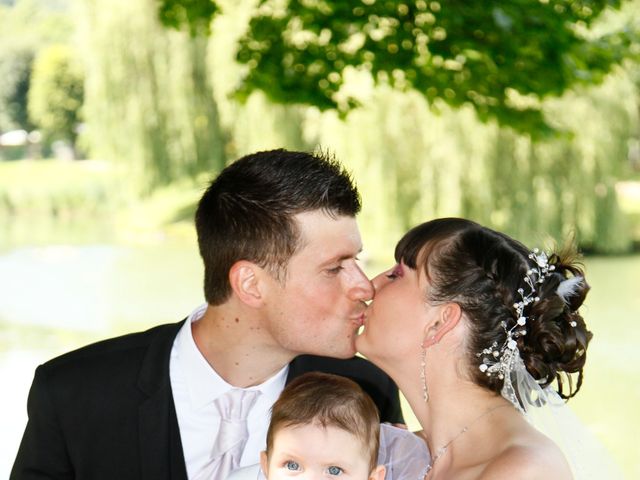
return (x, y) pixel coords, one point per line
(244, 278)
(378, 473)
(449, 314)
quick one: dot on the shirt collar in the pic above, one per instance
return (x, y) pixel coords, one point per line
(203, 382)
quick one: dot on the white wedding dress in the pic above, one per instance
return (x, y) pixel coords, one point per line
(403, 454)
(546, 411)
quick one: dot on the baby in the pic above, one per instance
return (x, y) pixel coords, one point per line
(325, 426)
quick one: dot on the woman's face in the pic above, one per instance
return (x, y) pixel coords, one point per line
(395, 320)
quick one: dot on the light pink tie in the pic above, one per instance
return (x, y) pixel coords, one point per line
(234, 407)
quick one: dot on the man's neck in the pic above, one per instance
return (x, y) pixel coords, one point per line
(237, 346)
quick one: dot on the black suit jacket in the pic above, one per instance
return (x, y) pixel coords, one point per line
(106, 411)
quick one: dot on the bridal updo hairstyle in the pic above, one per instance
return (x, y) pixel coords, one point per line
(481, 270)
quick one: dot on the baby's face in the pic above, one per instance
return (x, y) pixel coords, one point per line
(315, 452)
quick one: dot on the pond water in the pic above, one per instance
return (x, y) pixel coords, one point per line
(54, 298)
(98, 288)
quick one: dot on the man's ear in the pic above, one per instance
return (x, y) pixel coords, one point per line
(264, 464)
(449, 314)
(378, 473)
(244, 277)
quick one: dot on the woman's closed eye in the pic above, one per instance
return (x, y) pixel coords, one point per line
(394, 273)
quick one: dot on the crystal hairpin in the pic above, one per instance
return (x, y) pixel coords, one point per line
(497, 359)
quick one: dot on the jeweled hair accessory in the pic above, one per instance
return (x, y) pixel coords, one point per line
(499, 360)
(542, 406)
(569, 288)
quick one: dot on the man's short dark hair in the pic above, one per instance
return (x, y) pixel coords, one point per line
(247, 211)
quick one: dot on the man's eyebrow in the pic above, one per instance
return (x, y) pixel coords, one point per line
(344, 256)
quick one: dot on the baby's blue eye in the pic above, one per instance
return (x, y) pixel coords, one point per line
(333, 470)
(291, 465)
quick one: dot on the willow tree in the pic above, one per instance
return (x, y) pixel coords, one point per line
(56, 93)
(502, 65)
(149, 101)
(26, 27)
(15, 78)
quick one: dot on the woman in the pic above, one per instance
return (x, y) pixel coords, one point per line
(463, 320)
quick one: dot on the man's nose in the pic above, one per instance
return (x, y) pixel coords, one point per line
(361, 288)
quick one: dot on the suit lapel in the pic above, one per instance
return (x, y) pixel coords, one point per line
(161, 454)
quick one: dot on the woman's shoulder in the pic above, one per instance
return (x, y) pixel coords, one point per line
(528, 459)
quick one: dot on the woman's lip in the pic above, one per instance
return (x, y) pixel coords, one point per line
(359, 320)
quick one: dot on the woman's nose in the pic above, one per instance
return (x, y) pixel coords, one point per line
(379, 282)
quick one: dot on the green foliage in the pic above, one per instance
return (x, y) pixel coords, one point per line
(149, 100)
(413, 165)
(15, 76)
(158, 103)
(26, 25)
(196, 14)
(502, 59)
(36, 22)
(57, 93)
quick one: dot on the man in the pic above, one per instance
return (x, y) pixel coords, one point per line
(279, 240)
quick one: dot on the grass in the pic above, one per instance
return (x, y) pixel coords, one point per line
(45, 201)
(56, 188)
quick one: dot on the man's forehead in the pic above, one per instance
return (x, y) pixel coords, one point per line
(318, 223)
(328, 237)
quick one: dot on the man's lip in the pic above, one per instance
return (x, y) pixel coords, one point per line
(359, 320)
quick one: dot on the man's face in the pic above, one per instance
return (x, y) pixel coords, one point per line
(319, 306)
(316, 452)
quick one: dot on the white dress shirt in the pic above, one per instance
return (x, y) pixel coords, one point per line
(195, 385)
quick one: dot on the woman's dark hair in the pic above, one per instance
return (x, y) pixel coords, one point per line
(481, 270)
(247, 211)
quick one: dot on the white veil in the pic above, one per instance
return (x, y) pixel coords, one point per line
(547, 411)
(403, 454)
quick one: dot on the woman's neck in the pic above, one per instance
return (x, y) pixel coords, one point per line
(454, 404)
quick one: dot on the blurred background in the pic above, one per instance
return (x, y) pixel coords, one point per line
(114, 114)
